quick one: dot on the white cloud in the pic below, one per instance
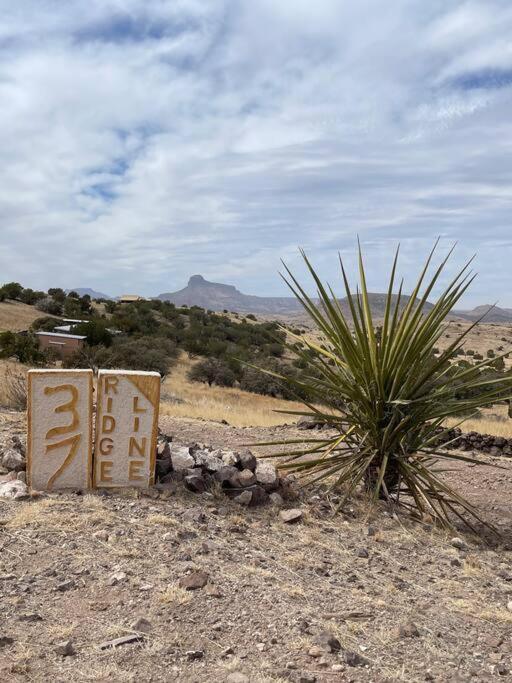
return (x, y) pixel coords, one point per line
(143, 141)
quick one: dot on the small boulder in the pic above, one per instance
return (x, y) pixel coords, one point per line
(181, 459)
(328, 642)
(16, 490)
(194, 580)
(208, 460)
(225, 473)
(230, 458)
(244, 498)
(259, 495)
(458, 543)
(163, 466)
(13, 460)
(195, 483)
(276, 499)
(141, 625)
(408, 630)
(246, 478)
(291, 516)
(65, 649)
(247, 460)
(266, 475)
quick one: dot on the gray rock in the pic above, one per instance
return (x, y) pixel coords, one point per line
(408, 630)
(244, 498)
(291, 516)
(247, 460)
(65, 649)
(6, 640)
(246, 478)
(13, 460)
(355, 659)
(141, 625)
(363, 553)
(16, 490)
(193, 655)
(225, 473)
(230, 458)
(8, 476)
(18, 444)
(195, 483)
(163, 450)
(22, 476)
(181, 459)
(276, 499)
(208, 460)
(194, 580)
(163, 466)
(458, 543)
(259, 495)
(32, 616)
(266, 475)
(65, 586)
(117, 578)
(328, 642)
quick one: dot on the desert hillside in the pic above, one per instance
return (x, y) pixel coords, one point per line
(172, 585)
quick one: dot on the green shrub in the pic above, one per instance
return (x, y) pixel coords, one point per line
(212, 371)
(394, 394)
(49, 305)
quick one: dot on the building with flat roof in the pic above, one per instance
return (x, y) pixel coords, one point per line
(64, 345)
(130, 298)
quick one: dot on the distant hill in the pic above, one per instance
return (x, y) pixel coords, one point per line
(91, 292)
(496, 315)
(217, 297)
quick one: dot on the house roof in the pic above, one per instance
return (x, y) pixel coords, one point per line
(130, 297)
(60, 334)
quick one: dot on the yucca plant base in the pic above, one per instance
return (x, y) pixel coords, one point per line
(395, 391)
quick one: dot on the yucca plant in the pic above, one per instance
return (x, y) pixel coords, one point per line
(387, 392)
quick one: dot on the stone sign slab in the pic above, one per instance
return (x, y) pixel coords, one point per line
(126, 428)
(59, 453)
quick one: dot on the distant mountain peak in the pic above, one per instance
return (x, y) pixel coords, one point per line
(197, 280)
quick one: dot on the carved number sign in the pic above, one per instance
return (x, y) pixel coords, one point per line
(126, 428)
(59, 429)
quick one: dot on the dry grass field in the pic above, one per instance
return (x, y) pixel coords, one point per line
(182, 398)
(15, 316)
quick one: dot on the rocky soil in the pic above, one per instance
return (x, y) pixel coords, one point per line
(197, 586)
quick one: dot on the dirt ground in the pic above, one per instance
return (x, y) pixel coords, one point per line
(398, 601)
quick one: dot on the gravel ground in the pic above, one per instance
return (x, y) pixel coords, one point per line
(206, 590)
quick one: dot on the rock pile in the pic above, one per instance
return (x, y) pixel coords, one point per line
(198, 467)
(12, 468)
(239, 475)
(474, 441)
(454, 439)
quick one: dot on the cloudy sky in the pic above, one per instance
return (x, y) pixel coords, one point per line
(143, 141)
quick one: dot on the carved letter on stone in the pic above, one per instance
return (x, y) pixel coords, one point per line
(59, 429)
(126, 428)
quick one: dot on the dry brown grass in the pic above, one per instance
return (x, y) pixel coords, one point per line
(13, 386)
(15, 316)
(493, 421)
(182, 398)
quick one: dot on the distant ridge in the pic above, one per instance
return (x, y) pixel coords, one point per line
(218, 297)
(91, 292)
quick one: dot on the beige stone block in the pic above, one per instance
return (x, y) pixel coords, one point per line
(59, 453)
(126, 428)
